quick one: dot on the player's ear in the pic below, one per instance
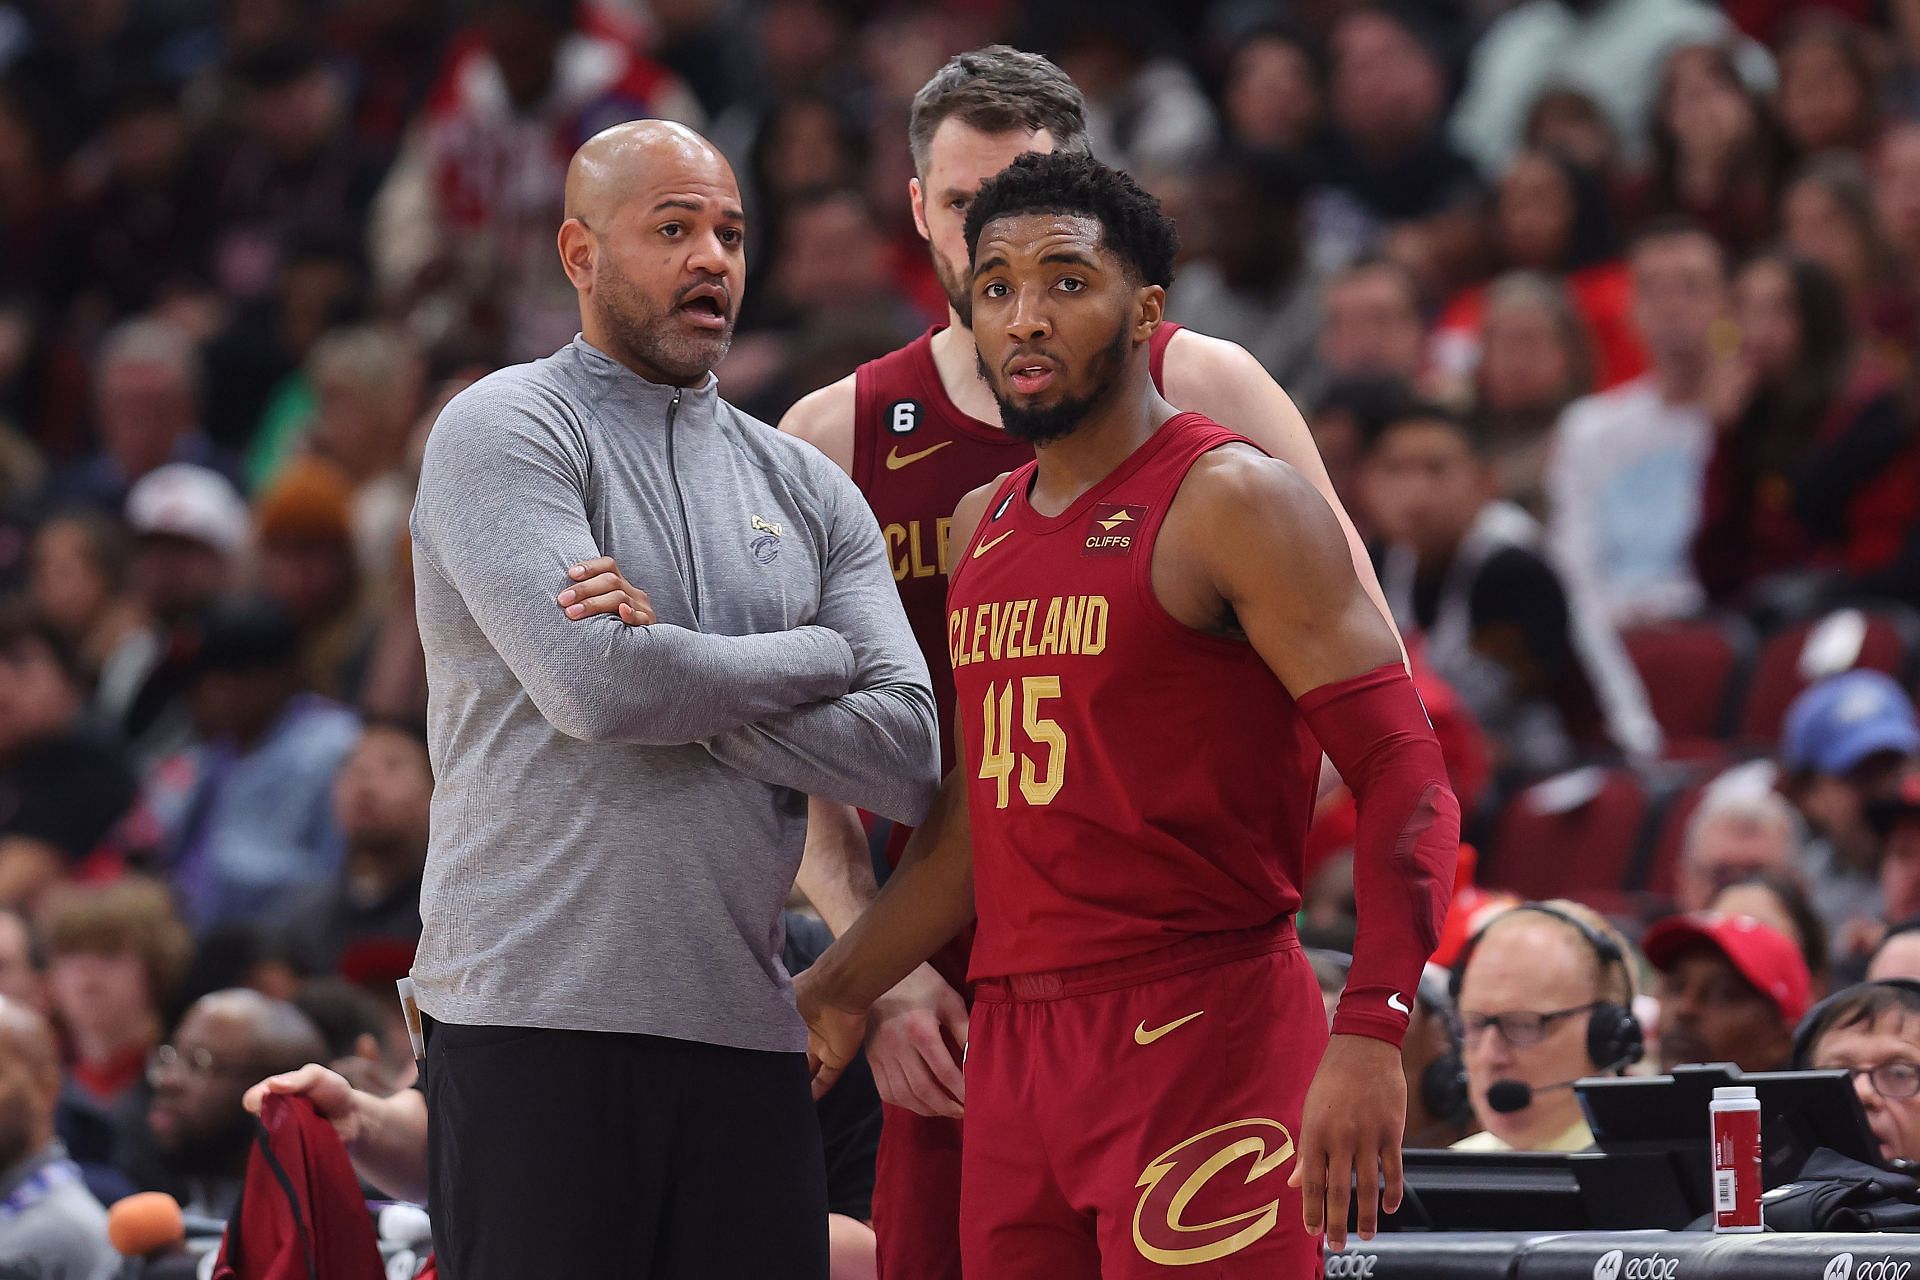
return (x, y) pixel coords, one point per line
(917, 197)
(1150, 302)
(576, 252)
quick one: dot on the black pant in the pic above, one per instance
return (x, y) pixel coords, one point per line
(576, 1153)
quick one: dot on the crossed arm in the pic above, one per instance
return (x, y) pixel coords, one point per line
(840, 708)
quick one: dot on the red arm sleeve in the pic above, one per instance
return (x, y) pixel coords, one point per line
(1376, 732)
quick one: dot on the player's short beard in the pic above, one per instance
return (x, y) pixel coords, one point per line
(959, 296)
(1043, 424)
(645, 332)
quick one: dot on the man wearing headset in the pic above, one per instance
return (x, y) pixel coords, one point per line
(1544, 995)
(1873, 1030)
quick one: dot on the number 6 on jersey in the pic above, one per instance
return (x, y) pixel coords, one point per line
(997, 756)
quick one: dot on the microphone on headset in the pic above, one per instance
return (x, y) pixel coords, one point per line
(1509, 1096)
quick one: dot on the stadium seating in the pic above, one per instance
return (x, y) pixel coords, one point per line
(1576, 835)
(1693, 672)
(1886, 638)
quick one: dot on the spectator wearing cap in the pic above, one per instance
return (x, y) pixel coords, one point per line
(64, 782)
(146, 393)
(382, 802)
(1731, 990)
(1780, 900)
(1846, 742)
(1611, 50)
(1873, 1031)
(244, 817)
(191, 534)
(307, 564)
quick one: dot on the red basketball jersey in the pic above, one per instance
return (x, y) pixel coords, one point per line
(915, 455)
(1131, 781)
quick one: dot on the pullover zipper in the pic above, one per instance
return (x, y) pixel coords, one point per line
(686, 526)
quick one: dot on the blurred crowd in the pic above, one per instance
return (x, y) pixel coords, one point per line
(1602, 312)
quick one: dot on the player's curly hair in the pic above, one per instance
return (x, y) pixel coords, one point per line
(1133, 225)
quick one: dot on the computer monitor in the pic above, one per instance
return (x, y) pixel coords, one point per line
(1537, 1191)
(1799, 1111)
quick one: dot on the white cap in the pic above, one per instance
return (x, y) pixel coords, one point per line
(186, 501)
(1734, 1093)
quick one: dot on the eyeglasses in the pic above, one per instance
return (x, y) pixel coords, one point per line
(1518, 1029)
(1891, 1079)
(196, 1063)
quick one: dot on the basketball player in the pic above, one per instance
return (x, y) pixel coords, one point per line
(917, 430)
(1154, 629)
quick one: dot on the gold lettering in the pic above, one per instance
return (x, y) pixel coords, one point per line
(943, 536)
(921, 569)
(1070, 624)
(896, 536)
(979, 634)
(1027, 647)
(956, 636)
(1050, 632)
(1094, 622)
(997, 638)
(1015, 612)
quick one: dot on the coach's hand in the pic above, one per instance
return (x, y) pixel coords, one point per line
(833, 1034)
(913, 1066)
(1355, 1115)
(332, 1097)
(598, 588)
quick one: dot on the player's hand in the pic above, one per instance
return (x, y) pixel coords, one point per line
(833, 1034)
(598, 588)
(328, 1091)
(913, 1066)
(1355, 1115)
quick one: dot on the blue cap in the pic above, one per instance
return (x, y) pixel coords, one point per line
(1836, 724)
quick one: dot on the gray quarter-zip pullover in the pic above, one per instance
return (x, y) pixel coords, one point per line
(618, 812)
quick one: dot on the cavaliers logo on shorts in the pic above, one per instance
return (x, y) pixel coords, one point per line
(1193, 1210)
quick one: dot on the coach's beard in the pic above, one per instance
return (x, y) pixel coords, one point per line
(1043, 424)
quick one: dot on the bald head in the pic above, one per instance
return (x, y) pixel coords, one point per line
(655, 245)
(613, 166)
(278, 1036)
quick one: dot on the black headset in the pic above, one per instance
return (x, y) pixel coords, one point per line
(1819, 1019)
(1614, 1037)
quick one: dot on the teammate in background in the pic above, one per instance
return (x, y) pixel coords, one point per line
(1155, 628)
(917, 430)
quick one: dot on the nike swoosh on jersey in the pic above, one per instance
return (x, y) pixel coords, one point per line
(1395, 1003)
(897, 460)
(990, 544)
(1143, 1036)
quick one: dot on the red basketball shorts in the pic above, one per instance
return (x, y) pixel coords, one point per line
(1139, 1118)
(916, 1196)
